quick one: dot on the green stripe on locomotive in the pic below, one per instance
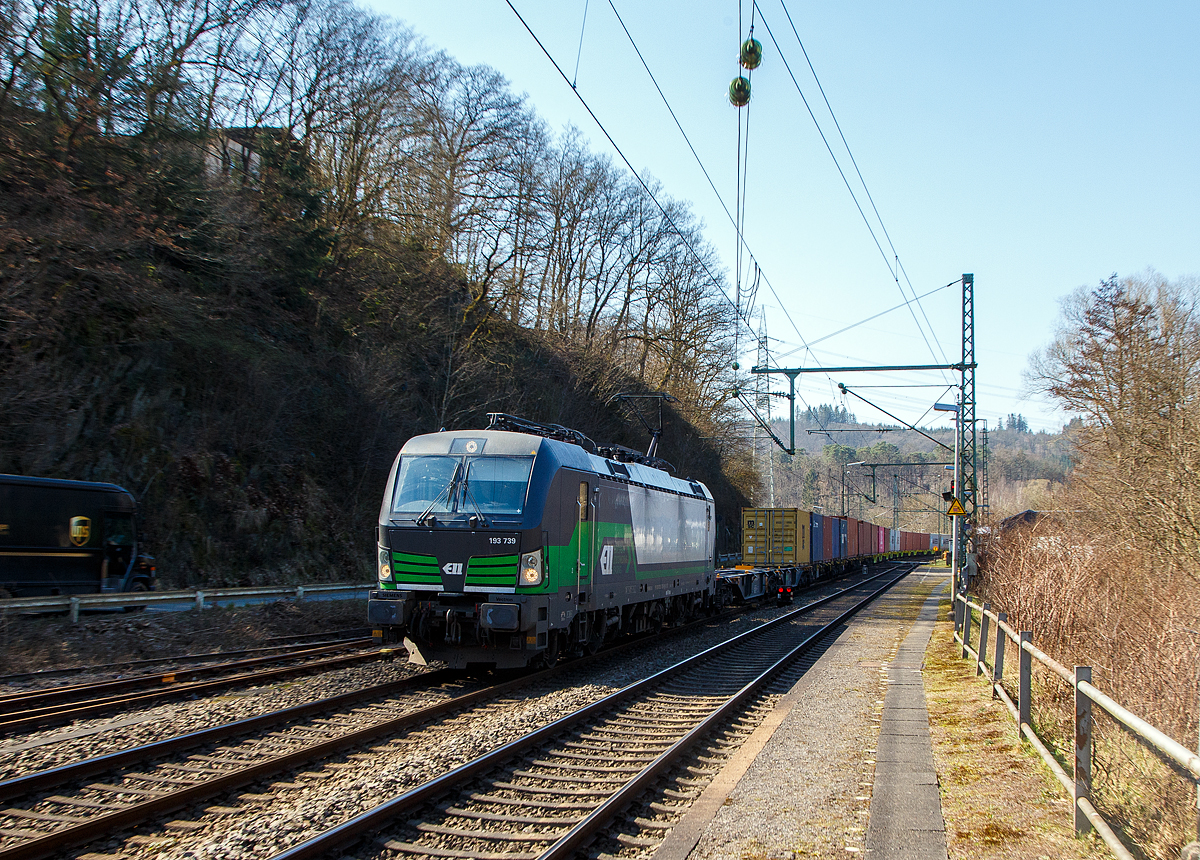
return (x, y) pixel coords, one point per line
(497, 571)
(411, 568)
(562, 562)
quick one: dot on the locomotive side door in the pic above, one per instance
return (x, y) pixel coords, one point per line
(585, 534)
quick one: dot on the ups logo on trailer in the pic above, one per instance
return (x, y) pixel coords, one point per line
(81, 530)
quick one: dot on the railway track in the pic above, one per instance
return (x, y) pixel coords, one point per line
(58, 705)
(555, 790)
(272, 645)
(156, 778)
(59, 808)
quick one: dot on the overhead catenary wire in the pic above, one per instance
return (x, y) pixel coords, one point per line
(813, 343)
(711, 184)
(894, 418)
(579, 53)
(734, 219)
(842, 173)
(700, 259)
(866, 189)
(740, 313)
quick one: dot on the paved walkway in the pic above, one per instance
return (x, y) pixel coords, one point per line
(906, 809)
(843, 765)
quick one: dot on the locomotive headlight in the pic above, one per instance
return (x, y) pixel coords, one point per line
(385, 565)
(531, 568)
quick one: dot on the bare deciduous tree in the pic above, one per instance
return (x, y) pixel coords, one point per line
(1127, 359)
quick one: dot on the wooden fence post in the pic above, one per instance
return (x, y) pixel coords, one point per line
(1025, 685)
(998, 673)
(983, 634)
(966, 630)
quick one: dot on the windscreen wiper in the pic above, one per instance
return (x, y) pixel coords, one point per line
(482, 520)
(447, 491)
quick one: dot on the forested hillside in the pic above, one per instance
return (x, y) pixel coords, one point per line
(249, 248)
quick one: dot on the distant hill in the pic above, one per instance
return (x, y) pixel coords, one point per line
(1022, 467)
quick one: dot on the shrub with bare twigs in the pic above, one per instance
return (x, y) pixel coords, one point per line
(1114, 582)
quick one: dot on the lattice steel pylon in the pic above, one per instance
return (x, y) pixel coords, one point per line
(762, 402)
(968, 453)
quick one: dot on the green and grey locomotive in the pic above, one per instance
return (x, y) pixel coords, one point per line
(511, 546)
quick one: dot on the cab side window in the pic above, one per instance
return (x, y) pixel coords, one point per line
(118, 530)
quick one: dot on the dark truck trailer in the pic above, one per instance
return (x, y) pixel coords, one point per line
(69, 537)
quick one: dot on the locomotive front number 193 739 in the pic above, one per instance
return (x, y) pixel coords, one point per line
(508, 547)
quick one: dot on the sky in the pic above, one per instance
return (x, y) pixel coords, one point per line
(1040, 147)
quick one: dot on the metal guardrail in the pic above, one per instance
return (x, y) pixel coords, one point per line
(1078, 784)
(198, 599)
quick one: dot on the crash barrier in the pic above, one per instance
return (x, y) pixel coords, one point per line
(198, 599)
(1078, 785)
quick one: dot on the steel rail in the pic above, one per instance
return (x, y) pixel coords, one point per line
(67, 773)
(53, 716)
(370, 821)
(281, 642)
(76, 602)
(46, 695)
(102, 825)
(600, 818)
(73, 771)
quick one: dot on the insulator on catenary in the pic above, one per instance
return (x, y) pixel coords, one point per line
(751, 53)
(739, 92)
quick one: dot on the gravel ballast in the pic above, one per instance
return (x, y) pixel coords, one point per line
(272, 816)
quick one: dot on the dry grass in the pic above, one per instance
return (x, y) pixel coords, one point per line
(999, 801)
(1091, 602)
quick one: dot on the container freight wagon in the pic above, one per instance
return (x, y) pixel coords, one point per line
(853, 532)
(819, 550)
(777, 554)
(785, 548)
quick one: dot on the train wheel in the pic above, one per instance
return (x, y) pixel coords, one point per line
(657, 616)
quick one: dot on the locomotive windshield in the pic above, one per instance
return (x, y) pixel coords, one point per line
(439, 484)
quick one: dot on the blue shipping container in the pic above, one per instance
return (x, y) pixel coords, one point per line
(818, 542)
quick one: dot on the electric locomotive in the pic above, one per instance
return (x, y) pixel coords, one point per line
(515, 545)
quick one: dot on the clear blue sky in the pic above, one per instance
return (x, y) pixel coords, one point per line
(1038, 146)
